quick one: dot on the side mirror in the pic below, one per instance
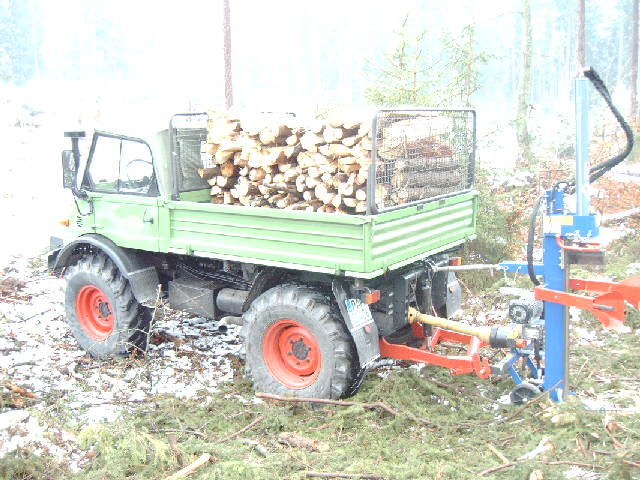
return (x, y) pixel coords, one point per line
(69, 169)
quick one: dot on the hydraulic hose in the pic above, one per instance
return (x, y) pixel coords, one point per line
(599, 170)
(531, 240)
(596, 171)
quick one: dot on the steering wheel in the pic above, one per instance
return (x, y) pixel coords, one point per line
(136, 160)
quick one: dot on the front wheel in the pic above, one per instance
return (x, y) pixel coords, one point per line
(296, 344)
(102, 312)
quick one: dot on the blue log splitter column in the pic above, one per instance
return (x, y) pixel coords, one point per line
(562, 225)
(558, 223)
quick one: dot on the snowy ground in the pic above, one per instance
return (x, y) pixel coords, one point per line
(188, 357)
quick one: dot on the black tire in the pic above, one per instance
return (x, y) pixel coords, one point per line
(130, 321)
(524, 393)
(314, 312)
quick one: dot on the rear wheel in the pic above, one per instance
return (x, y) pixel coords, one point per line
(296, 344)
(102, 312)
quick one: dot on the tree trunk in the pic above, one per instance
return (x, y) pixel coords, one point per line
(522, 116)
(228, 85)
(634, 67)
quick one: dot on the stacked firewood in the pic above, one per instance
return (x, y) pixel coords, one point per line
(278, 163)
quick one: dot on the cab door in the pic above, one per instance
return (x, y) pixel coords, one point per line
(121, 183)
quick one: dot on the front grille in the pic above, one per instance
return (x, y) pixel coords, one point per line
(421, 154)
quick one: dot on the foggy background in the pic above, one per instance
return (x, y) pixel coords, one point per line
(127, 66)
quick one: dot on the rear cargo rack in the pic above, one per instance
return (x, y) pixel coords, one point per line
(187, 133)
(420, 155)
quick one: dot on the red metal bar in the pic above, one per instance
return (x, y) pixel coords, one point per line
(629, 289)
(458, 364)
(608, 308)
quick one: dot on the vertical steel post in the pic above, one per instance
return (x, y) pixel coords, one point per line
(556, 323)
(582, 146)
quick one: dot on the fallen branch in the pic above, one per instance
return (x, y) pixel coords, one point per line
(528, 404)
(633, 464)
(191, 432)
(242, 430)
(261, 449)
(577, 464)
(498, 453)
(495, 469)
(342, 475)
(192, 467)
(615, 441)
(344, 403)
(173, 443)
(19, 390)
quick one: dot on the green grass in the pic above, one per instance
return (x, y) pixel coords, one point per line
(452, 445)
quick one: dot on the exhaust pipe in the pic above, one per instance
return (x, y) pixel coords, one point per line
(224, 322)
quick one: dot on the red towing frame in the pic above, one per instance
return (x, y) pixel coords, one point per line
(425, 353)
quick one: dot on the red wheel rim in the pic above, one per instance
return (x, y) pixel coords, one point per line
(95, 312)
(292, 354)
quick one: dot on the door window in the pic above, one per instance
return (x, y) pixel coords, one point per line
(120, 165)
(104, 166)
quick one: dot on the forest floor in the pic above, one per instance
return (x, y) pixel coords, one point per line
(64, 415)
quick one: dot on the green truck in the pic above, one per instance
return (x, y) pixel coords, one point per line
(316, 292)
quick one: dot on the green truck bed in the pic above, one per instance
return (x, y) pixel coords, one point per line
(354, 245)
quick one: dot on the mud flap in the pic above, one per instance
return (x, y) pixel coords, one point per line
(359, 321)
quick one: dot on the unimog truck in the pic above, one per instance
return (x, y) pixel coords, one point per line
(320, 295)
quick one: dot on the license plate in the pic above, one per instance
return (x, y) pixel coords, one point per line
(359, 313)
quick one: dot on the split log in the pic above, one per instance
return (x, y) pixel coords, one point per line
(311, 182)
(350, 141)
(257, 174)
(311, 159)
(316, 127)
(209, 148)
(349, 202)
(225, 182)
(192, 467)
(271, 134)
(301, 183)
(208, 173)
(361, 194)
(223, 156)
(335, 150)
(228, 169)
(310, 141)
(334, 134)
(286, 201)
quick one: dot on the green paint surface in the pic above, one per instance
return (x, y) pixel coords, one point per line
(359, 245)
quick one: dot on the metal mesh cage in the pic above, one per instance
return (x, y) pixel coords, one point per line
(188, 133)
(421, 154)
